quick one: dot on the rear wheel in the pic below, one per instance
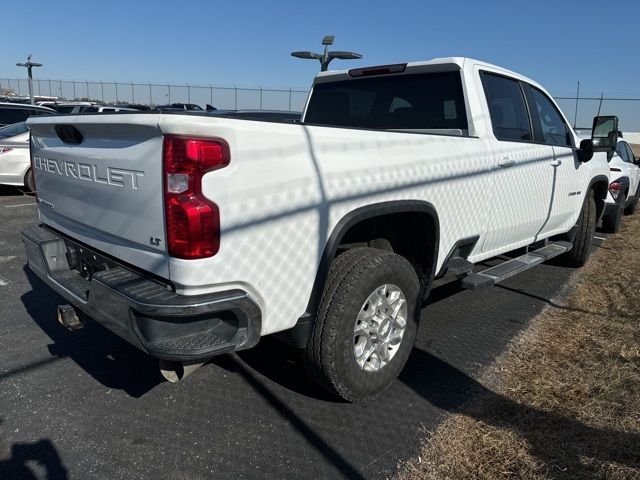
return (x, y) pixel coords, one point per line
(29, 183)
(366, 323)
(585, 228)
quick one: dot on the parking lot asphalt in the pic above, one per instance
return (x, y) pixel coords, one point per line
(86, 404)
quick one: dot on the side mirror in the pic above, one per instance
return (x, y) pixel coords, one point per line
(585, 152)
(605, 133)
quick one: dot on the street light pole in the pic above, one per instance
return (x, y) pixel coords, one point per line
(29, 66)
(326, 57)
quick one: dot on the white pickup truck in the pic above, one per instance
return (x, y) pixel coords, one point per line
(191, 235)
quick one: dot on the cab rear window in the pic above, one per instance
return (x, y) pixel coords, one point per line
(431, 102)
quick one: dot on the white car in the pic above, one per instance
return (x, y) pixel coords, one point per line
(623, 194)
(193, 235)
(15, 164)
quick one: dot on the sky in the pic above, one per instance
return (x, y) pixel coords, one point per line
(248, 43)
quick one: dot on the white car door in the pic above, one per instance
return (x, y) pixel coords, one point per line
(523, 177)
(634, 171)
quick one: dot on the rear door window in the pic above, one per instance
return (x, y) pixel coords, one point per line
(507, 108)
(13, 115)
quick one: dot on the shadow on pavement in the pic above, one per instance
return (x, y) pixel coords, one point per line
(22, 456)
(7, 191)
(451, 389)
(105, 356)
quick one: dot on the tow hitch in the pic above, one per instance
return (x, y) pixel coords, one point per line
(68, 317)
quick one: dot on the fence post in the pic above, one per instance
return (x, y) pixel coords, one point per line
(260, 97)
(289, 98)
(169, 87)
(60, 82)
(49, 80)
(133, 97)
(39, 91)
(150, 98)
(19, 90)
(74, 89)
(102, 90)
(210, 95)
(116, 84)
(235, 89)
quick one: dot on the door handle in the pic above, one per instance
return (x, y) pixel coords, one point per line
(556, 163)
(506, 162)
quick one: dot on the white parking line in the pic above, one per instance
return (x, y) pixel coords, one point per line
(19, 205)
(599, 238)
(3, 282)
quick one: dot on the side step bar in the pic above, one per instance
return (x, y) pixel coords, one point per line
(497, 274)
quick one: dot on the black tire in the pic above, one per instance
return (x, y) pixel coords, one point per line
(29, 183)
(585, 228)
(611, 223)
(329, 356)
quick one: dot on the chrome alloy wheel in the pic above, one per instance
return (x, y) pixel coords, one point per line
(379, 327)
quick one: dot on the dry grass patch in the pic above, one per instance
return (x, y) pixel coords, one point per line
(564, 401)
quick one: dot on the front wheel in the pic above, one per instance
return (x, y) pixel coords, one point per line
(585, 228)
(366, 323)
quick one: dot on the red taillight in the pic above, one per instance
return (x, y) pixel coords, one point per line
(193, 221)
(614, 189)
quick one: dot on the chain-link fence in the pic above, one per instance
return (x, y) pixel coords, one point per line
(581, 111)
(159, 94)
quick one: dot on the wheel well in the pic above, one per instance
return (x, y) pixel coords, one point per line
(410, 234)
(408, 227)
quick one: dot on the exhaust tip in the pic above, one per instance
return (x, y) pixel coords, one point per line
(173, 372)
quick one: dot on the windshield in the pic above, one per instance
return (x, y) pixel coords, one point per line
(13, 130)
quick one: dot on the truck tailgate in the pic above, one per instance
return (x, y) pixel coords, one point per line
(105, 188)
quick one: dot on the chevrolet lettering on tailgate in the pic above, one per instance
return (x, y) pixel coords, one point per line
(118, 177)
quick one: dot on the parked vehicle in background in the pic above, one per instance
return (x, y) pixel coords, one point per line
(261, 115)
(192, 107)
(15, 164)
(623, 187)
(72, 107)
(18, 112)
(134, 106)
(204, 233)
(107, 108)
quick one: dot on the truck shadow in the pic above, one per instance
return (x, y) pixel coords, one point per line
(103, 355)
(8, 191)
